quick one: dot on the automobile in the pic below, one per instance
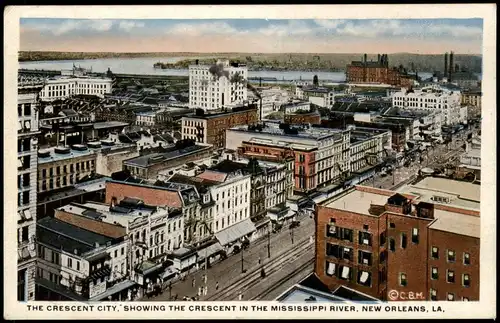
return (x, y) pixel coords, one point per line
(294, 224)
(236, 249)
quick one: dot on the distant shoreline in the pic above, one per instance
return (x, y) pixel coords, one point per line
(270, 61)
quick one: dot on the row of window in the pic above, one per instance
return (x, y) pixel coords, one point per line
(346, 273)
(450, 276)
(228, 218)
(449, 296)
(76, 167)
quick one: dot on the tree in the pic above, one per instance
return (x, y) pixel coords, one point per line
(315, 80)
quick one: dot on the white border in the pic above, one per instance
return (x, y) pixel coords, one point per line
(483, 309)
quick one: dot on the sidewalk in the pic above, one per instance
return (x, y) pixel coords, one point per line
(224, 271)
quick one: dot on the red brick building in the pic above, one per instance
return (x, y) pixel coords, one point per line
(394, 247)
(304, 165)
(377, 72)
(210, 128)
(303, 118)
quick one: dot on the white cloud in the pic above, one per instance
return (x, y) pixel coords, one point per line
(377, 28)
(329, 24)
(129, 25)
(202, 29)
(292, 28)
(73, 25)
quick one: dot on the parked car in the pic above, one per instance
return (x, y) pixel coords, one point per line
(236, 249)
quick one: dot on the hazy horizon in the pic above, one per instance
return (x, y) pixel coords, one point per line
(265, 36)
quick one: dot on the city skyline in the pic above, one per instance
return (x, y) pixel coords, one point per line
(464, 36)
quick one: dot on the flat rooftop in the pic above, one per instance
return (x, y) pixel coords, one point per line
(53, 157)
(357, 201)
(467, 225)
(303, 132)
(464, 190)
(152, 159)
(67, 237)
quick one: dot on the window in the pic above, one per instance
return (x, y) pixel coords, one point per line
(383, 256)
(402, 279)
(392, 225)
(364, 258)
(116, 253)
(451, 256)
(331, 229)
(123, 251)
(404, 240)
(450, 276)
(77, 265)
(365, 238)
(70, 263)
(330, 268)
(466, 258)
(466, 280)
(433, 294)
(392, 244)
(364, 278)
(435, 252)
(383, 238)
(450, 297)
(345, 273)
(414, 235)
(434, 273)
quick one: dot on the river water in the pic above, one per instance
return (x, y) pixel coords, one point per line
(144, 65)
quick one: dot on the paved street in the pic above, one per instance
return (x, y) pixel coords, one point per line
(224, 271)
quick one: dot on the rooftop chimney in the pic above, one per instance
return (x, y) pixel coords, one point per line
(445, 64)
(450, 67)
(365, 58)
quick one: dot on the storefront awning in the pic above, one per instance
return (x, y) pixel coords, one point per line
(114, 289)
(209, 251)
(169, 272)
(235, 232)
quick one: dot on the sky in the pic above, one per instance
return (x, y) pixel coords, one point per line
(421, 36)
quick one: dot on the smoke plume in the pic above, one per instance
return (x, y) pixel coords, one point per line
(218, 70)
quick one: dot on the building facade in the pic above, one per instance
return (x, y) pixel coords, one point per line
(321, 154)
(211, 128)
(77, 264)
(27, 144)
(59, 88)
(376, 241)
(431, 98)
(303, 118)
(377, 72)
(217, 86)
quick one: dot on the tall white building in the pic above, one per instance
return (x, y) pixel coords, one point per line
(27, 109)
(433, 98)
(213, 87)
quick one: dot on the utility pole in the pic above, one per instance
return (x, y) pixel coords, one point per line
(291, 234)
(242, 266)
(268, 242)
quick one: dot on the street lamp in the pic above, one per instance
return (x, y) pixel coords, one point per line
(242, 265)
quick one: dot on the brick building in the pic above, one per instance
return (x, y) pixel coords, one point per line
(377, 241)
(377, 72)
(210, 128)
(303, 118)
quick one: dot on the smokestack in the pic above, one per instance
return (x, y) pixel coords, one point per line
(260, 107)
(260, 82)
(197, 61)
(445, 64)
(365, 57)
(378, 58)
(450, 67)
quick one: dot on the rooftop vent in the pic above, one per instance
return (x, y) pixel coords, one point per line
(44, 153)
(79, 147)
(94, 144)
(62, 150)
(107, 143)
(157, 158)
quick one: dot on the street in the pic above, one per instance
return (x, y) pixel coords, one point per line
(224, 272)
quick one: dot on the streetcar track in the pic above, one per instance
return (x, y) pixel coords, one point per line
(283, 280)
(253, 277)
